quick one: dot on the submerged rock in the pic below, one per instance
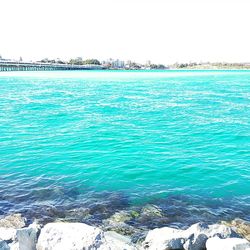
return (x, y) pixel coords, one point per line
(79, 214)
(119, 227)
(151, 216)
(240, 226)
(217, 243)
(151, 211)
(193, 238)
(13, 221)
(117, 223)
(121, 216)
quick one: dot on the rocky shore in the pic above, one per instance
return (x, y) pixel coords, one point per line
(17, 234)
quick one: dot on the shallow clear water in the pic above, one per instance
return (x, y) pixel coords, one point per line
(75, 138)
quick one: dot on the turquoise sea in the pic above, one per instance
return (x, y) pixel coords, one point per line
(111, 140)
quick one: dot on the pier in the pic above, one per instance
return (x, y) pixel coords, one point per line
(34, 66)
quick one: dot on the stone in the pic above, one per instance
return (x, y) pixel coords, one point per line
(13, 221)
(198, 234)
(70, 236)
(4, 245)
(78, 214)
(222, 231)
(119, 227)
(215, 243)
(121, 216)
(195, 242)
(14, 245)
(117, 223)
(27, 237)
(7, 234)
(242, 227)
(115, 241)
(164, 238)
(193, 238)
(151, 211)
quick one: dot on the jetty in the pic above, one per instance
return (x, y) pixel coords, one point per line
(37, 66)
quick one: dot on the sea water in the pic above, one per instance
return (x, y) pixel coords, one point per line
(179, 139)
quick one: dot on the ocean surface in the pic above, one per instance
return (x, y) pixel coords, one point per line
(115, 140)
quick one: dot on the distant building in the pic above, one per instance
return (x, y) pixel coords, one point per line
(111, 63)
(118, 64)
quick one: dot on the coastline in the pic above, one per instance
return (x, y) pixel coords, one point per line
(17, 233)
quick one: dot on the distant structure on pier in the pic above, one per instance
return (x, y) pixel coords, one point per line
(8, 65)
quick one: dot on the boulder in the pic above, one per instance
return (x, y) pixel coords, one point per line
(115, 241)
(117, 223)
(13, 221)
(7, 234)
(242, 227)
(14, 245)
(151, 211)
(164, 238)
(4, 245)
(198, 234)
(120, 216)
(119, 227)
(193, 238)
(215, 243)
(77, 236)
(27, 237)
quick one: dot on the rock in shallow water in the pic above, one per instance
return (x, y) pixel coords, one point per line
(117, 223)
(121, 216)
(242, 227)
(13, 221)
(193, 238)
(216, 243)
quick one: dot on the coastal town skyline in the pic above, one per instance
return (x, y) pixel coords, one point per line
(79, 63)
(164, 32)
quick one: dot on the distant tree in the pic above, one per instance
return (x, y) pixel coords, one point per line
(157, 66)
(60, 61)
(45, 60)
(92, 61)
(76, 61)
(161, 66)
(183, 65)
(20, 59)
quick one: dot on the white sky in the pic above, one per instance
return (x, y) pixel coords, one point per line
(163, 31)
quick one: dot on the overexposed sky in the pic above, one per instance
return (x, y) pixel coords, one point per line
(163, 31)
